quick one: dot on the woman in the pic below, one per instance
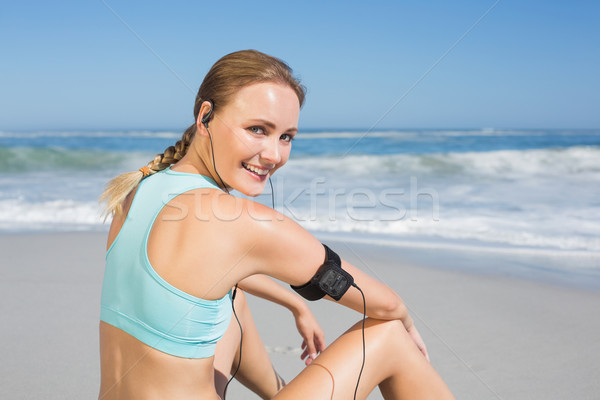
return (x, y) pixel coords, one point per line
(179, 243)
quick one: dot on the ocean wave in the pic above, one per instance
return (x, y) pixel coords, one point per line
(586, 259)
(497, 164)
(542, 198)
(55, 215)
(501, 164)
(311, 134)
(457, 229)
(452, 228)
(25, 159)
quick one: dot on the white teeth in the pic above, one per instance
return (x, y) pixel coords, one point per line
(257, 171)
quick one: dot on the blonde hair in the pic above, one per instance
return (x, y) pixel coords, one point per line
(228, 75)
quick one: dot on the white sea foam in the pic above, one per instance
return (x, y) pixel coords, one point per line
(56, 215)
(535, 198)
(546, 198)
(558, 232)
(493, 231)
(497, 164)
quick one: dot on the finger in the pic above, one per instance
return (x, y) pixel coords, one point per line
(304, 354)
(308, 358)
(320, 341)
(311, 349)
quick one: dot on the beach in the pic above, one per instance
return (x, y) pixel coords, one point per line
(450, 149)
(491, 334)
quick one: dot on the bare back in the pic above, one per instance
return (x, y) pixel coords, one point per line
(132, 369)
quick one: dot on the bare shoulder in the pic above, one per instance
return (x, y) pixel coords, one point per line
(222, 239)
(270, 242)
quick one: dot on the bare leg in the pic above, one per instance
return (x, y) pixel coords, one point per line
(392, 361)
(256, 371)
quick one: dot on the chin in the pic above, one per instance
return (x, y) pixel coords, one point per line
(251, 191)
(249, 185)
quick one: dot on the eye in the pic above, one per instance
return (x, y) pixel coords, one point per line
(286, 137)
(257, 130)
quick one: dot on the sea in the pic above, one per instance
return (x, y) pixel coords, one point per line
(515, 191)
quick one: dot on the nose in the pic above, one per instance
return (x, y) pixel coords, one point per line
(271, 152)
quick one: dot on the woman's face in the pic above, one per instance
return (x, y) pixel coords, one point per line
(252, 135)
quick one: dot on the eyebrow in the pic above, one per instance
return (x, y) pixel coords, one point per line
(271, 125)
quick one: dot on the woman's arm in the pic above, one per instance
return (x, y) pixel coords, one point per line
(286, 251)
(312, 334)
(247, 238)
(266, 288)
(382, 302)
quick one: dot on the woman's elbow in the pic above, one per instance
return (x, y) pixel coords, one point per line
(392, 307)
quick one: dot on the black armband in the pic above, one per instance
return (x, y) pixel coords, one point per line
(330, 279)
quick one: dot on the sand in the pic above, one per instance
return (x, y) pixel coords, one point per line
(491, 334)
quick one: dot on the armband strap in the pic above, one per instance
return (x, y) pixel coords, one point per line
(330, 279)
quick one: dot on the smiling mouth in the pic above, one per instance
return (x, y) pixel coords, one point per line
(256, 170)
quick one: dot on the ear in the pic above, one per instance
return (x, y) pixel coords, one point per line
(205, 114)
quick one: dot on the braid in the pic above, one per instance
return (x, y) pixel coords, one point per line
(118, 188)
(172, 154)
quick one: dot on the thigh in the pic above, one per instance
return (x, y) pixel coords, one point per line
(334, 373)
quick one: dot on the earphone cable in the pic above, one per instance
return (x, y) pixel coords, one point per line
(241, 340)
(363, 338)
(212, 153)
(272, 194)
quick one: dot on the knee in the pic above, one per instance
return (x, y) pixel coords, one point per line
(389, 333)
(391, 327)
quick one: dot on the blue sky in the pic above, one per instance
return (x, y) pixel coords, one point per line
(75, 65)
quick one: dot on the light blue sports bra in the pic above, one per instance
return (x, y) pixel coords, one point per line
(138, 301)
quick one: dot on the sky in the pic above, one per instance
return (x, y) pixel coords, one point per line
(129, 65)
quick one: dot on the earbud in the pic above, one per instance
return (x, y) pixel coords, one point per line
(206, 117)
(204, 120)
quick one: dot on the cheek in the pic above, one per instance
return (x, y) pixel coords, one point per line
(241, 144)
(285, 155)
(241, 150)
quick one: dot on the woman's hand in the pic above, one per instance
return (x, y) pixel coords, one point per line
(313, 337)
(416, 337)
